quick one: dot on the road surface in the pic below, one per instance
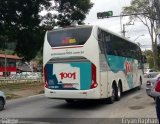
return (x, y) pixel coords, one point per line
(133, 104)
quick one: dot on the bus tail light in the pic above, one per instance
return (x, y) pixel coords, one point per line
(94, 83)
(45, 78)
(148, 83)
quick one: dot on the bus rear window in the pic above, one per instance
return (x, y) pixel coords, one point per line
(69, 36)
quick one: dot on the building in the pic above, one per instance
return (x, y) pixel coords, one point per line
(8, 64)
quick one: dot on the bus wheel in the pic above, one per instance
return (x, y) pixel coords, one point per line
(118, 92)
(1, 104)
(69, 100)
(140, 84)
(112, 98)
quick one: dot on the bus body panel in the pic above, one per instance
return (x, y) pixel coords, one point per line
(70, 52)
(69, 76)
(109, 69)
(72, 94)
(123, 67)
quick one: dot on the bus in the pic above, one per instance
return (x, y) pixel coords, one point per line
(90, 62)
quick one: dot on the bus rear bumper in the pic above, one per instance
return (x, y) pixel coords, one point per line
(72, 94)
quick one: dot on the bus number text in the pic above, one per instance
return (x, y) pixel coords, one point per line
(68, 75)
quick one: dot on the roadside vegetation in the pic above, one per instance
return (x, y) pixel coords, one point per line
(23, 26)
(143, 10)
(21, 89)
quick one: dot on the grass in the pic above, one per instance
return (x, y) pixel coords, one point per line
(11, 96)
(41, 92)
(21, 89)
(18, 86)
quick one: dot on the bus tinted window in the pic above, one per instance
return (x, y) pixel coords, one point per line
(69, 36)
(113, 45)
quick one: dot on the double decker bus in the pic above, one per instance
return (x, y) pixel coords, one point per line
(90, 62)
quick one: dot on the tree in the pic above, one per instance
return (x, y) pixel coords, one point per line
(71, 11)
(49, 21)
(20, 23)
(148, 17)
(158, 53)
(29, 42)
(149, 55)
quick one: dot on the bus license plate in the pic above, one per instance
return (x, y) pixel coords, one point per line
(67, 86)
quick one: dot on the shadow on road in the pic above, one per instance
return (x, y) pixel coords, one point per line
(93, 104)
(82, 104)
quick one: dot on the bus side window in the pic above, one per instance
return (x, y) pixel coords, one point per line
(101, 40)
(99, 33)
(109, 44)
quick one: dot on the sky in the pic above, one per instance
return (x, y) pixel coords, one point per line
(136, 33)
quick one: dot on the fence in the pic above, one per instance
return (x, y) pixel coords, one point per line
(20, 80)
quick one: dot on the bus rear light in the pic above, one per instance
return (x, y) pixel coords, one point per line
(45, 78)
(94, 83)
(46, 85)
(148, 83)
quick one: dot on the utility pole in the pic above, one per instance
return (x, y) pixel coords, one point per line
(157, 9)
(5, 60)
(109, 14)
(124, 28)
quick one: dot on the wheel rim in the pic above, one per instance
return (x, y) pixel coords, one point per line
(119, 91)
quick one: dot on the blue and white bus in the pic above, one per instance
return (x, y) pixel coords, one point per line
(90, 62)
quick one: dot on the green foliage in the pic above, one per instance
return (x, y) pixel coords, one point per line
(149, 55)
(30, 42)
(144, 11)
(71, 11)
(158, 51)
(39, 59)
(9, 52)
(19, 23)
(49, 21)
(140, 6)
(150, 61)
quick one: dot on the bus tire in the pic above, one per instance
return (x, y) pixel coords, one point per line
(1, 104)
(118, 92)
(140, 84)
(113, 96)
(69, 100)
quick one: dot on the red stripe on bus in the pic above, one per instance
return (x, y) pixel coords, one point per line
(66, 47)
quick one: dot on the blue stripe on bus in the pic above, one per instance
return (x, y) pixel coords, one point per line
(117, 63)
(85, 76)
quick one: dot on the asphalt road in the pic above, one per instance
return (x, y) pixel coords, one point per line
(133, 104)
